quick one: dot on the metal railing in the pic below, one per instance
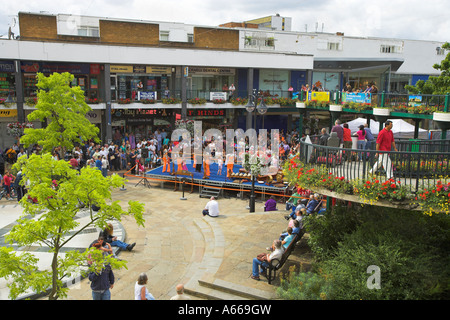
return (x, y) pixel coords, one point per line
(414, 168)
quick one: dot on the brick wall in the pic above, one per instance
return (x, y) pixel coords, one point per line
(216, 38)
(37, 26)
(118, 32)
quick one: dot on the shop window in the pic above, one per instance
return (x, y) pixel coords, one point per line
(6, 84)
(29, 85)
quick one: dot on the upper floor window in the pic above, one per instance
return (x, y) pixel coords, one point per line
(440, 51)
(333, 46)
(164, 35)
(190, 37)
(390, 48)
(88, 31)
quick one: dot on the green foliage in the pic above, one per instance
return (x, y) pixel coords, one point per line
(411, 251)
(59, 190)
(305, 286)
(64, 109)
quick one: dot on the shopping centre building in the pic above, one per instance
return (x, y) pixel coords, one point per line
(141, 75)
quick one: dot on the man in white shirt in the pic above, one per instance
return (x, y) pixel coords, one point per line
(212, 208)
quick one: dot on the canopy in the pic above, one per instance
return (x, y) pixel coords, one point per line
(401, 128)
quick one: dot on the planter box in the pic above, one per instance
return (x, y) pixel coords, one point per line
(300, 105)
(381, 112)
(335, 108)
(442, 120)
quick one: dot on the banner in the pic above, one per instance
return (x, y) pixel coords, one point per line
(357, 97)
(147, 95)
(414, 101)
(319, 96)
(217, 96)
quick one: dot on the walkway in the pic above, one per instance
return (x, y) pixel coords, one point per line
(179, 245)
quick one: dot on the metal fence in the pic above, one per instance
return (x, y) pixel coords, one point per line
(411, 165)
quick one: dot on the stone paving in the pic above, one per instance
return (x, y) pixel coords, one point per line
(179, 245)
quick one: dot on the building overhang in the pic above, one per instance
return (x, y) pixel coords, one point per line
(349, 65)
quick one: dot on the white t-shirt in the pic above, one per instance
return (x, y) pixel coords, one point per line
(137, 292)
(213, 208)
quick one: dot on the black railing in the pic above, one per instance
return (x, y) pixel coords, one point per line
(413, 167)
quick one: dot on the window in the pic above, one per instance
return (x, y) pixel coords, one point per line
(164, 35)
(190, 37)
(88, 31)
(333, 46)
(440, 51)
(390, 48)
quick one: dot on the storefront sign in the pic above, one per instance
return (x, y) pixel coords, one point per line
(7, 66)
(138, 69)
(147, 95)
(95, 68)
(94, 116)
(357, 97)
(8, 113)
(319, 96)
(48, 67)
(121, 69)
(158, 69)
(213, 71)
(217, 96)
(206, 112)
(141, 113)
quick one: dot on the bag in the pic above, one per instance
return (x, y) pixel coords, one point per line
(112, 157)
(262, 257)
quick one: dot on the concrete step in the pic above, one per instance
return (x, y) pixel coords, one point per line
(207, 293)
(237, 290)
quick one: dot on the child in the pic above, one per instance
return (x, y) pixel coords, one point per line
(220, 164)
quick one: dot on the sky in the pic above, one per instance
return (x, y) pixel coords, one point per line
(399, 19)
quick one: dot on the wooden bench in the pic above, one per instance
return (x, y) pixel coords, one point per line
(277, 264)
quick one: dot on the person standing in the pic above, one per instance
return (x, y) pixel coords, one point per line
(369, 137)
(339, 130)
(385, 142)
(361, 134)
(101, 283)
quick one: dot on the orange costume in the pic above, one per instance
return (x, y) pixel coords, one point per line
(230, 164)
(166, 161)
(206, 166)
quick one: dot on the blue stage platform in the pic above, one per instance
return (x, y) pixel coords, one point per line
(214, 179)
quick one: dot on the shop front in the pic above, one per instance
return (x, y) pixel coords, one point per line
(86, 76)
(204, 80)
(140, 122)
(274, 82)
(137, 82)
(7, 80)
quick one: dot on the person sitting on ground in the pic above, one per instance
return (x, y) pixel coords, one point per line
(112, 240)
(271, 204)
(263, 260)
(140, 289)
(180, 293)
(101, 244)
(211, 208)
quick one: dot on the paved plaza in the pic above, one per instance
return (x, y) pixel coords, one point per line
(179, 245)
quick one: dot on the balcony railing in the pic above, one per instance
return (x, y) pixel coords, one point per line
(418, 164)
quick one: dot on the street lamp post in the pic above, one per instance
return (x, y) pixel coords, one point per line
(252, 104)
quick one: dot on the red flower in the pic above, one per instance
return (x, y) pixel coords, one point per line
(393, 186)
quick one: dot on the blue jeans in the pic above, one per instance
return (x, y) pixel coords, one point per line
(105, 295)
(361, 146)
(120, 244)
(256, 265)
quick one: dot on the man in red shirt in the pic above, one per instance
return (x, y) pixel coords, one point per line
(385, 142)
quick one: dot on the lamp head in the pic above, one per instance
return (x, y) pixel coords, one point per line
(250, 106)
(262, 108)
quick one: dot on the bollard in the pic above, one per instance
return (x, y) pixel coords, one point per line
(182, 189)
(123, 185)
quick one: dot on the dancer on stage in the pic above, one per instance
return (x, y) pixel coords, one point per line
(206, 162)
(166, 159)
(230, 164)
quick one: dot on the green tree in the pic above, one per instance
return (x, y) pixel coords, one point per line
(435, 85)
(59, 190)
(64, 109)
